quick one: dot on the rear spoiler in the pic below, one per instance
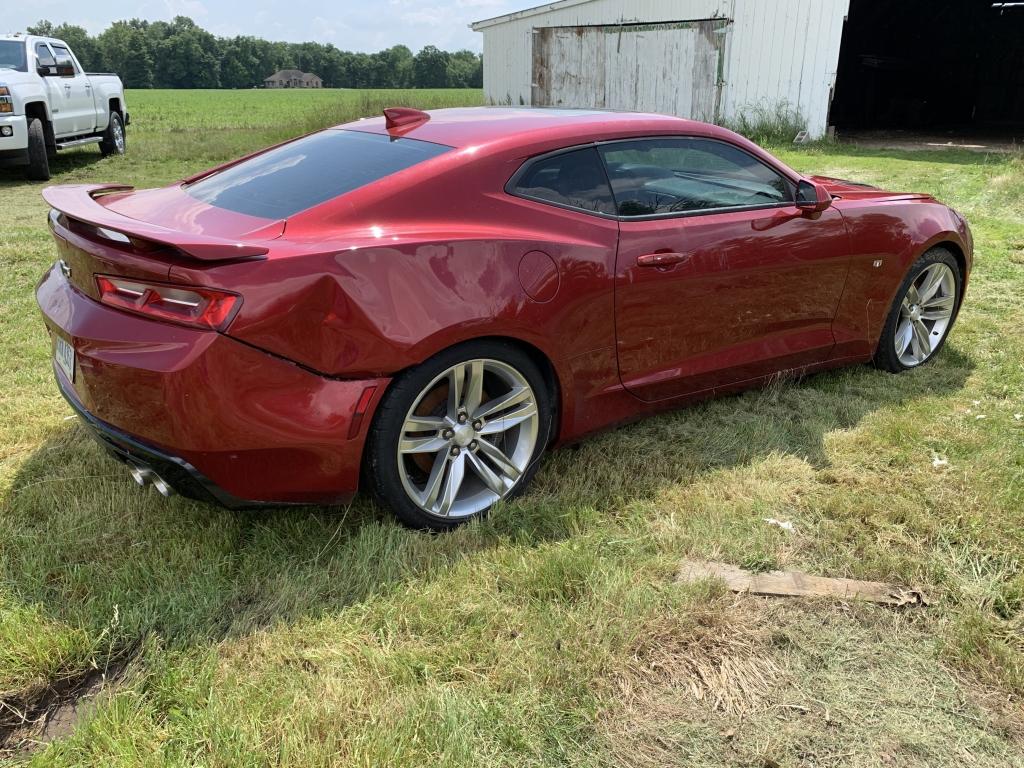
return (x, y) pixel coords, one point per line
(78, 201)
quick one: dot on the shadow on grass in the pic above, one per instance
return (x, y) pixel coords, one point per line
(86, 546)
(60, 164)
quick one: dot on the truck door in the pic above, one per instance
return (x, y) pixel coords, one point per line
(62, 115)
(78, 90)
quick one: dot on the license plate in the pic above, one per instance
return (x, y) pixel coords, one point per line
(64, 355)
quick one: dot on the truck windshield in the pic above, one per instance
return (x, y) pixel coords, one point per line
(12, 55)
(308, 171)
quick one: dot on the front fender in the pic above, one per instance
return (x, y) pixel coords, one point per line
(886, 239)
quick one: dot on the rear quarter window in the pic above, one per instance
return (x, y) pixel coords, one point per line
(573, 179)
(309, 171)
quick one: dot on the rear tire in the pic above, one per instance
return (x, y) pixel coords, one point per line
(438, 460)
(114, 139)
(38, 161)
(922, 313)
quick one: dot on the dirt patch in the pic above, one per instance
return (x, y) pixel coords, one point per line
(689, 683)
(767, 683)
(722, 660)
(908, 140)
(49, 711)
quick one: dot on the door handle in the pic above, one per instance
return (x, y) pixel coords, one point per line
(661, 259)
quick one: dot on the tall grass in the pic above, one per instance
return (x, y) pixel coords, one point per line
(772, 125)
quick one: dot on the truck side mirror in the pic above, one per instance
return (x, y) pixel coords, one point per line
(65, 68)
(44, 71)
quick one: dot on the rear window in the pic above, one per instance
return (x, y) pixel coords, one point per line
(310, 171)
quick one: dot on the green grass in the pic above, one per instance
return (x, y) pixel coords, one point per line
(554, 633)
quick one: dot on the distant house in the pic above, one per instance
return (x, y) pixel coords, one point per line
(293, 78)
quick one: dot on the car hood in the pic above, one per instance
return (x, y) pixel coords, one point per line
(173, 208)
(855, 190)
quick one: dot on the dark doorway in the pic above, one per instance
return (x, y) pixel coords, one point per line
(932, 65)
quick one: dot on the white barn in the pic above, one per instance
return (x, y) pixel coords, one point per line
(710, 60)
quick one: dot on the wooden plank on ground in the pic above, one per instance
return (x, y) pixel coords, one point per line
(797, 584)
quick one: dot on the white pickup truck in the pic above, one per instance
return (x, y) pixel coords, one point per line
(48, 103)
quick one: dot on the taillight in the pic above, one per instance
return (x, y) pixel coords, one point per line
(194, 306)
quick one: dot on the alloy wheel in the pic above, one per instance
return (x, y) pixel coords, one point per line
(926, 314)
(118, 132)
(468, 438)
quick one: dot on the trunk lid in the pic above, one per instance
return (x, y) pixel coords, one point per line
(111, 229)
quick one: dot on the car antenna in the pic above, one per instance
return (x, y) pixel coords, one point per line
(398, 116)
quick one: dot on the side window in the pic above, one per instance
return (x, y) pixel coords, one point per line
(45, 57)
(575, 179)
(659, 176)
(63, 55)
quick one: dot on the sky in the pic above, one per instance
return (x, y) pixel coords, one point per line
(354, 25)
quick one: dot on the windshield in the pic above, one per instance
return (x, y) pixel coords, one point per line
(12, 55)
(310, 171)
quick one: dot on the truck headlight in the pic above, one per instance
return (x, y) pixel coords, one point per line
(6, 102)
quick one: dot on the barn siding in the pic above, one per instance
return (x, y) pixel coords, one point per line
(777, 51)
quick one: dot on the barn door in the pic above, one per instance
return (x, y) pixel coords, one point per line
(675, 68)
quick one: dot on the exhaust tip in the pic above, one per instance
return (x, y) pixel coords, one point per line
(162, 487)
(139, 475)
(144, 476)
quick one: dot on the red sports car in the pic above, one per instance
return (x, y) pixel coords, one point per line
(423, 303)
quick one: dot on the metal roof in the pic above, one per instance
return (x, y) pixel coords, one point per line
(536, 10)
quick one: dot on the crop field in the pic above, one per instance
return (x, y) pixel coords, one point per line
(167, 632)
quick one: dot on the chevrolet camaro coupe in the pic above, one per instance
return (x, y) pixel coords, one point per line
(421, 304)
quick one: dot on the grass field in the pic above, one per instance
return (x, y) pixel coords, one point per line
(554, 633)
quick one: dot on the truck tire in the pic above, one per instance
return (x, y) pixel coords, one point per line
(113, 138)
(38, 162)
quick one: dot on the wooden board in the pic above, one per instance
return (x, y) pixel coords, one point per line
(797, 584)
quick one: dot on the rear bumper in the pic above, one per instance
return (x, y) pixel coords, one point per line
(217, 419)
(182, 476)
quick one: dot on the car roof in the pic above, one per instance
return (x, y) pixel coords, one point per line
(512, 126)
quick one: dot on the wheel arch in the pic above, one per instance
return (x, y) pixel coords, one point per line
(41, 110)
(958, 253)
(38, 109)
(948, 241)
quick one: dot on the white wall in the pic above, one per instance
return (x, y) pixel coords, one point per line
(778, 50)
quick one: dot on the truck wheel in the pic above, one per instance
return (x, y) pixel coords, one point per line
(38, 163)
(113, 138)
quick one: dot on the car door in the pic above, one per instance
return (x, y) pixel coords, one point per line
(77, 89)
(59, 96)
(720, 278)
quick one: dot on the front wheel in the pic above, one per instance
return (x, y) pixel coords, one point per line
(459, 433)
(113, 138)
(922, 313)
(38, 160)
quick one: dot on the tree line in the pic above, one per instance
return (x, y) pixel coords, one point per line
(181, 54)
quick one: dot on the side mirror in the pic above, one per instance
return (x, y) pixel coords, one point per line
(65, 69)
(812, 197)
(44, 71)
